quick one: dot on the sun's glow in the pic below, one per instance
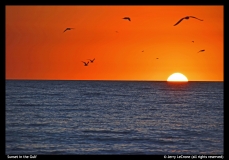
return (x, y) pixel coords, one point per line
(177, 77)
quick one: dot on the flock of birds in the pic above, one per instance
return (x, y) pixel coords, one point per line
(128, 18)
(86, 63)
(187, 17)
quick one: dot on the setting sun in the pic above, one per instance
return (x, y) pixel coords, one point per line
(177, 77)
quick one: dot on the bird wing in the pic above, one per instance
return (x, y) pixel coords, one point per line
(83, 62)
(127, 18)
(201, 50)
(196, 18)
(178, 21)
(65, 30)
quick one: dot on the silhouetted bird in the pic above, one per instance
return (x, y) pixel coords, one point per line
(127, 18)
(201, 50)
(193, 41)
(68, 29)
(92, 60)
(156, 58)
(85, 64)
(187, 17)
(143, 51)
(116, 31)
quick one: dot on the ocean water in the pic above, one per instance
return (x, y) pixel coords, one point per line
(113, 117)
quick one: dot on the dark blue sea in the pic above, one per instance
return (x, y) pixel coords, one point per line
(113, 117)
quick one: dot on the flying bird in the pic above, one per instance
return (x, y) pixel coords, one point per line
(193, 41)
(92, 60)
(85, 64)
(187, 17)
(201, 50)
(156, 58)
(143, 51)
(127, 18)
(68, 29)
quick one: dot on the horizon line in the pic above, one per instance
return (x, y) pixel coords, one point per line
(111, 80)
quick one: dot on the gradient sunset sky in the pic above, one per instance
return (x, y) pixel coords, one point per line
(37, 47)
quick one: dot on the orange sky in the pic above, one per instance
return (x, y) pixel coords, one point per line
(37, 47)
